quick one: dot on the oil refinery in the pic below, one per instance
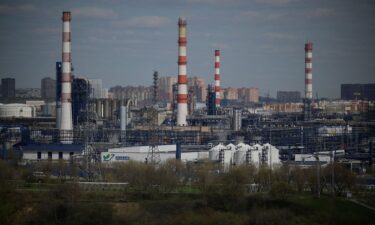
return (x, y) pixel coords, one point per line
(118, 128)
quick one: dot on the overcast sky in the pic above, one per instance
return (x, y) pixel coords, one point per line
(261, 41)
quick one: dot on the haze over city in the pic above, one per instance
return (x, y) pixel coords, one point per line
(261, 41)
(188, 112)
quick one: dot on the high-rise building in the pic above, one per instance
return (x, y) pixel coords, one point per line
(140, 94)
(48, 88)
(8, 87)
(202, 93)
(198, 87)
(358, 92)
(97, 88)
(230, 93)
(253, 95)
(248, 94)
(288, 96)
(166, 88)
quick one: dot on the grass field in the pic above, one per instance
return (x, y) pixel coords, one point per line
(56, 204)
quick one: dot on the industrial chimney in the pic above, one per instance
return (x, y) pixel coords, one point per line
(66, 124)
(308, 81)
(217, 77)
(308, 70)
(182, 109)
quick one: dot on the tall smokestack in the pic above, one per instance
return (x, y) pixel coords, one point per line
(182, 110)
(308, 70)
(66, 127)
(217, 77)
(308, 81)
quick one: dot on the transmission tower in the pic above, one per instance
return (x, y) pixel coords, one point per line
(156, 87)
(153, 155)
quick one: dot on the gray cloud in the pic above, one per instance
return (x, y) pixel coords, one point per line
(262, 40)
(280, 36)
(275, 2)
(17, 8)
(143, 22)
(322, 12)
(94, 12)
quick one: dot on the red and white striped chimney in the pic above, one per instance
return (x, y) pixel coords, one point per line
(308, 70)
(66, 125)
(182, 95)
(217, 77)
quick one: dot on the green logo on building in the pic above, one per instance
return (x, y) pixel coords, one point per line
(108, 156)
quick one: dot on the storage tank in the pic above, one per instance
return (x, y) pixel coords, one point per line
(240, 156)
(225, 156)
(232, 148)
(106, 108)
(237, 120)
(49, 109)
(272, 158)
(99, 111)
(254, 154)
(213, 153)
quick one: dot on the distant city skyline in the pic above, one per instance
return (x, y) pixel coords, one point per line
(261, 41)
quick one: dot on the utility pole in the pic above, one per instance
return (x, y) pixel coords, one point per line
(270, 159)
(318, 175)
(333, 173)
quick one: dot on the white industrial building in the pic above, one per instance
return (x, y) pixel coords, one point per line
(49, 151)
(141, 154)
(324, 157)
(225, 154)
(17, 110)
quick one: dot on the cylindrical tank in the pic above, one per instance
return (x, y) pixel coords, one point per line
(123, 117)
(239, 156)
(237, 119)
(114, 109)
(49, 109)
(232, 149)
(213, 154)
(99, 108)
(106, 109)
(225, 156)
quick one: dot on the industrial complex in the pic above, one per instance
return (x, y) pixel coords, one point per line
(193, 122)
